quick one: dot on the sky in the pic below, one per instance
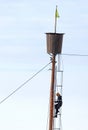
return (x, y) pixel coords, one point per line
(23, 52)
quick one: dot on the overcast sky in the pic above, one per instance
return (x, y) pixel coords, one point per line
(23, 24)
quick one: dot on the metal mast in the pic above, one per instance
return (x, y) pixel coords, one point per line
(54, 47)
(52, 94)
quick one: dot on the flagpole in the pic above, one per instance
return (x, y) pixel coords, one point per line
(55, 20)
(55, 24)
(56, 16)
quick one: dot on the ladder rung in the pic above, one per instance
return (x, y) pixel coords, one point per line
(56, 128)
(59, 85)
(60, 71)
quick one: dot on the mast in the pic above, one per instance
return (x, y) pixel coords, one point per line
(52, 94)
(54, 47)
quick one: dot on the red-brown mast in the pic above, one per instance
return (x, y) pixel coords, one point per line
(54, 46)
(52, 94)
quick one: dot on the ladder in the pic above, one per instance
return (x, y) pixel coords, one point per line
(58, 86)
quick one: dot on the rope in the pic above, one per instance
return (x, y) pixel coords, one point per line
(22, 85)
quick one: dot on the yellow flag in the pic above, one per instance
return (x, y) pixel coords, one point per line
(56, 13)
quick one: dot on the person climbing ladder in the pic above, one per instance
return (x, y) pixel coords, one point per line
(58, 103)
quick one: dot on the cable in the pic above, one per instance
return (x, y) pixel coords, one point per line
(23, 84)
(74, 55)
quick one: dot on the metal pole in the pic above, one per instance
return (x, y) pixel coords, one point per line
(55, 24)
(52, 94)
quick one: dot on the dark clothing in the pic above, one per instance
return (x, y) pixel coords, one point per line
(58, 104)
